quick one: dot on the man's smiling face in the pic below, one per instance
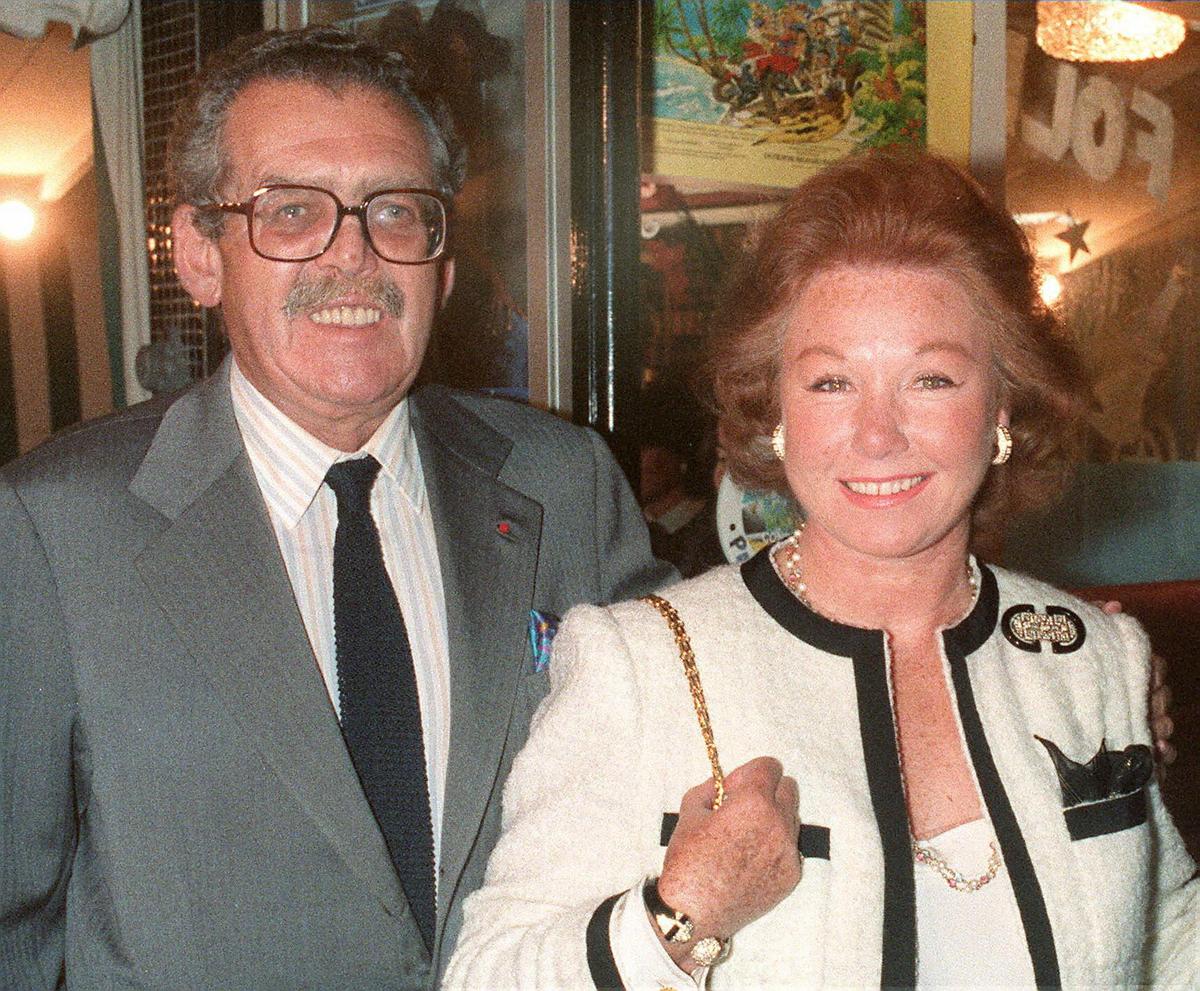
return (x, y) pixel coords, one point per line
(334, 342)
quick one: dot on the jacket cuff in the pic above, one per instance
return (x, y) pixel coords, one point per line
(624, 951)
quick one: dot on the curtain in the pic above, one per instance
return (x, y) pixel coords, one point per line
(117, 104)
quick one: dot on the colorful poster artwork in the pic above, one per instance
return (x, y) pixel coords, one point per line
(750, 519)
(768, 92)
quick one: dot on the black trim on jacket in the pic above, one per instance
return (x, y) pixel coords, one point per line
(601, 963)
(813, 840)
(866, 650)
(960, 643)
(898, 960)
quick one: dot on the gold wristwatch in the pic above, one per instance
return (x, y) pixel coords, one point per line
(676, 927)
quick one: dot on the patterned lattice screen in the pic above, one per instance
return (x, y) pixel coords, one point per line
(170, 56)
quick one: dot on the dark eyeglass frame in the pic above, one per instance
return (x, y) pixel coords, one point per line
(246, 209)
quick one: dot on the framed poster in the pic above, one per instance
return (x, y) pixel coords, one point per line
(768, 92)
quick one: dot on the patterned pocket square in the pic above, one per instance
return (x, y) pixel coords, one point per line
(1108, 774)
(542, 627)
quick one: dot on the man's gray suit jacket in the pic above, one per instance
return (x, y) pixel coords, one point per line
(177, 805)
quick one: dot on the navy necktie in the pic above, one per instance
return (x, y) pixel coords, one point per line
(380, 708)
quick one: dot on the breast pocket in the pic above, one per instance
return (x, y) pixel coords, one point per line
(1110, 841)
(1109, 815)
(1106, 794)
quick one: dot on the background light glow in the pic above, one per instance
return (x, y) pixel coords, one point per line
(16, 220)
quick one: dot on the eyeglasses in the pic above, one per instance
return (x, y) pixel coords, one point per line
(298, 223)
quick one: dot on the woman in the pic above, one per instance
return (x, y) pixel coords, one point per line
(941, 769)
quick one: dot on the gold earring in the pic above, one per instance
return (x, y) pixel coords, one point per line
(777, 443)
(1004, 444)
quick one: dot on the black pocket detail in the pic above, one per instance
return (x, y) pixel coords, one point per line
(814, 840)
(1111, 815)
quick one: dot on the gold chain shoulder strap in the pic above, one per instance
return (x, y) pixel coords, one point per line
(688, 657)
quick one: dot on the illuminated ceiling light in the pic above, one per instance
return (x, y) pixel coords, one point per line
(1106, 31)
(16, 220)
(1050, 288)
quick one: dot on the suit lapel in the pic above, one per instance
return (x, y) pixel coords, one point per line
(216, 572)
(488, 537)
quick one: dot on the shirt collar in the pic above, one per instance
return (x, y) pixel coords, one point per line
(291, 463)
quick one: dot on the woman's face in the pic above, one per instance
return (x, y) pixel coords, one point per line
(889, 398)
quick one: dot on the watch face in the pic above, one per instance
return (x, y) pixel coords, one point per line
(708, 951)
(684, 931)
(675, 926)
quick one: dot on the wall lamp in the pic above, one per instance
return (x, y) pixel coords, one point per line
(18, 206)
(17, 220)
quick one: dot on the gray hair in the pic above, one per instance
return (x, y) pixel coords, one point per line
(197, 166)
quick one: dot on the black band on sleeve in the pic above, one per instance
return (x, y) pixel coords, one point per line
(813, 840)
(601, 964)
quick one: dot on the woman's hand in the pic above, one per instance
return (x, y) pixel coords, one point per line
(726, 867)
(1161, 723)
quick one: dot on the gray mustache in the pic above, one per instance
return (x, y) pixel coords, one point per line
(313, 293)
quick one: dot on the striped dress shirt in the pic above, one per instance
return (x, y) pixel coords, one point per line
(290, 466)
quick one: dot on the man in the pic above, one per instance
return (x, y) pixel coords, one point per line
(217, 617)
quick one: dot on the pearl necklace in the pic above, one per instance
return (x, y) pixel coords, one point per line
(785, 557)
(788, 570)
(923, 853)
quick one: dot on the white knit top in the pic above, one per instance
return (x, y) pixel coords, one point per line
(969, 939)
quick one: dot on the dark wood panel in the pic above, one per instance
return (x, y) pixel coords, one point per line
(9, 447)
(58, 317)
(605, 105)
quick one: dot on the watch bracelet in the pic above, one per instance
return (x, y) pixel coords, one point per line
(678, 927)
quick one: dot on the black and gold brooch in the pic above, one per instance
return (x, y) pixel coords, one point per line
(1027, 629)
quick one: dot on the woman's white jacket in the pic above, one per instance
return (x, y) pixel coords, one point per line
(1102, 886)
